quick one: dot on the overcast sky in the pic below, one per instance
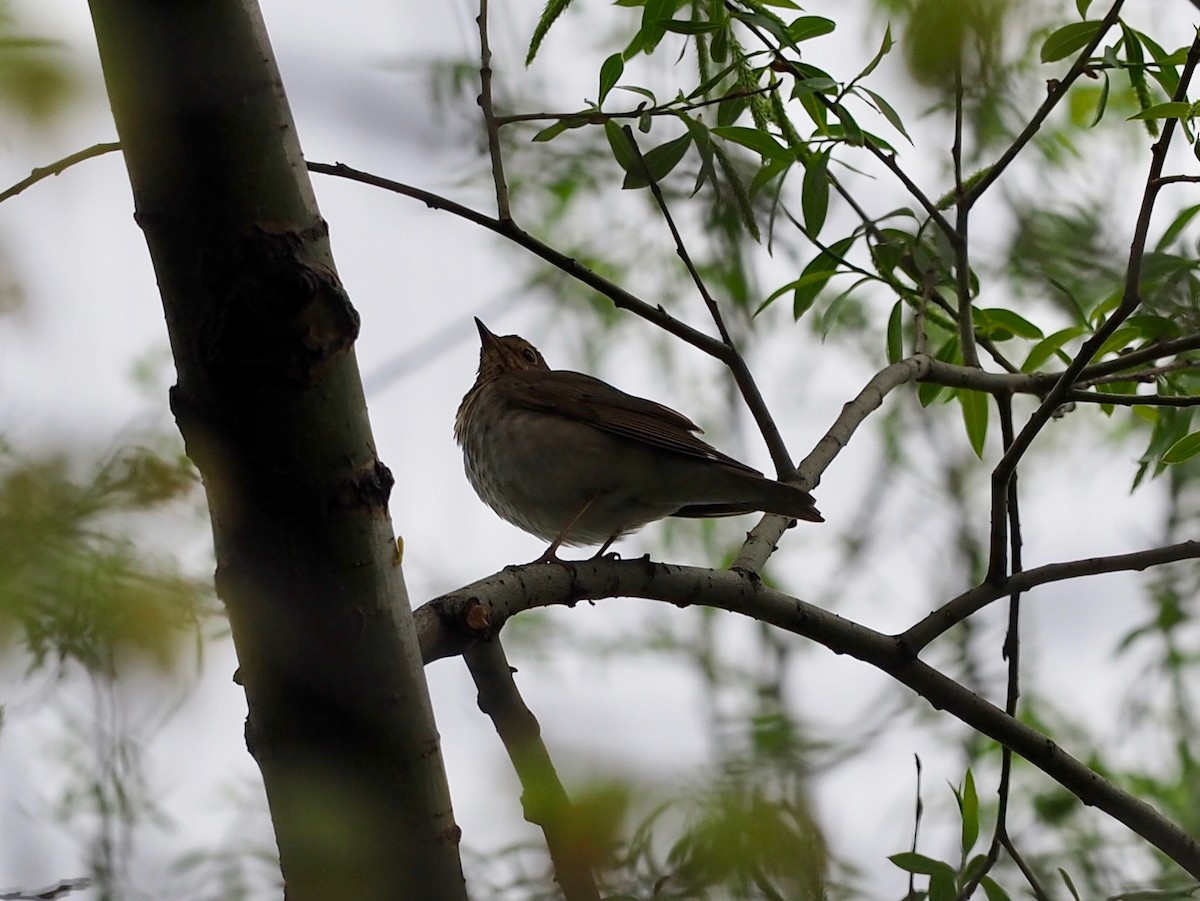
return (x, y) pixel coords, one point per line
(417, 277)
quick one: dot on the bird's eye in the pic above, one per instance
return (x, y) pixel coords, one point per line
(529, 355)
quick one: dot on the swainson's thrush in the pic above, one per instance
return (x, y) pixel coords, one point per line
(575, 461)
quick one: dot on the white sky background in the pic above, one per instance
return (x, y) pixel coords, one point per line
(415, 274)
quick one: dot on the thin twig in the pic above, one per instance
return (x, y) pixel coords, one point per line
(1039, 891)
(58, 167)
(489, 115)
(748, 387)
(969, 602)
(1133, 400)
(761, 540)
(917, 812)
(1012, 653)
(596, 117)
(1151, 374)
(1156, 351)
(1175, 179)
(621, 298)
(1130, 300)
(962, 263)
(543, 798)
(1058, 90)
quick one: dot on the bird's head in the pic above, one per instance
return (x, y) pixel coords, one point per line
(502, 354)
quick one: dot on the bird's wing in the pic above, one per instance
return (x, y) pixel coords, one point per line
(589, 400)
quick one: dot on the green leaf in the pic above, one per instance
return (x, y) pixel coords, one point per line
(1172, 110)
(552, 131)
(817, 274)
(968, 802)
(1066, 40)
(775, 295)
(1000, 324)
(807, 27)
(1082, 6)
(659, 162)
(975, 417)
(1183, 449)
(1178, 224)
(758, 141)
(888, 113)
(833, 313)
(992, 889)
(688, 26)
(1051, 345)
(941, 884)
(610, 73)
(730, 110)
(622, 149)
(700, 137)
(766, 174)
(949, 352)
(552, 10)
(1118, 341)
(895, 333)
(643, 92)
(1066, 878)
(814, 197)
(885, 47)
(654, 13)
(912, 862)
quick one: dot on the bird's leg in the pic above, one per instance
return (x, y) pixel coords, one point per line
(550, 555)
(604, 547)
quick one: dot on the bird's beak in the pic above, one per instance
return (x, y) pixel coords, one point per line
(486, 338)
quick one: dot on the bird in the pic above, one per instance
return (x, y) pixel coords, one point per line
(577, 462)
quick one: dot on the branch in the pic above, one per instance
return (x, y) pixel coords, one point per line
(58, 167)
(1130, 300)
(736, 362)
(962, 260)
(1058, 90)
(489, 115)
(621, 298)
(1147, 354)
(1134, 400)
(543, 798)
(761, 540)
(451, 623)
(955, 611)
(596, 117)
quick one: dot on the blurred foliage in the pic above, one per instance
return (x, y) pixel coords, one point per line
(37, 82)
(75, 581)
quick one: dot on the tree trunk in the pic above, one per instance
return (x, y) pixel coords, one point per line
(271, 407)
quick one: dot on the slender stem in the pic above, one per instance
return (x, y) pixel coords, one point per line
(489, 115)
(962, 261)
(969, 602)
(784, 466)
(596, 117)
(509, 229)
(1058, 90)
(58, 167)
(761, 540)
(1130, 300)
(1012, 653)
(543, 798)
